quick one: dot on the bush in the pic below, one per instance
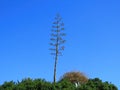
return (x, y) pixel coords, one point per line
(64, 84)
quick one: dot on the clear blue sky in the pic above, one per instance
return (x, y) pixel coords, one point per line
(93, 38)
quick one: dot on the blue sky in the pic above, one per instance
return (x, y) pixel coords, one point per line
(93, 38)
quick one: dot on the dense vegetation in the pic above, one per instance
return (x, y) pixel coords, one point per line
(64, 84)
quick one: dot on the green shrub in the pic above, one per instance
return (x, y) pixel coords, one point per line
(64, 84)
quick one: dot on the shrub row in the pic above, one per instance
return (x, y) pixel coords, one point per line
(41, 84)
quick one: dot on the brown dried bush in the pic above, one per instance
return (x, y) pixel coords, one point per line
(75, 77)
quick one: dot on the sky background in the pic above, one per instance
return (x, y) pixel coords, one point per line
(93, 39)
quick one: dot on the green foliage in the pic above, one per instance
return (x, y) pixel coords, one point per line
(8, 86)
(97, 84)
(65, 85)
(27, 84)
(41, 84)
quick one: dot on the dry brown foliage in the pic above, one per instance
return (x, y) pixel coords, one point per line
(75, 77)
